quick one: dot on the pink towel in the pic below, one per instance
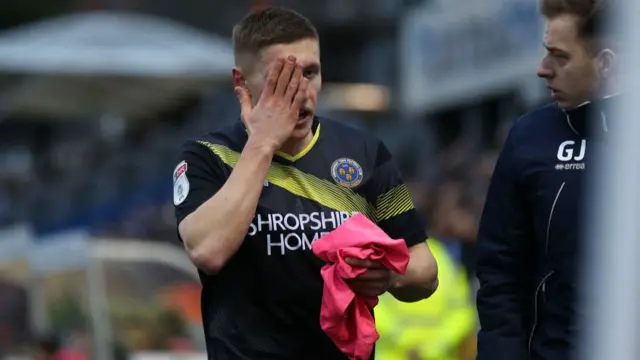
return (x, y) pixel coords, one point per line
(68, 354)
(345, 317)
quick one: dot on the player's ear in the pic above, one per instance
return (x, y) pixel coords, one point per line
(607, 63)
(238, 77)
(239, 80)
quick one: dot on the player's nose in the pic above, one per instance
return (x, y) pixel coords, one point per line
(544, 71)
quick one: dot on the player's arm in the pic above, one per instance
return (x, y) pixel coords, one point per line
(503, 254)
(219, 210)
(396, 215)
(421, 279)
(214, 231)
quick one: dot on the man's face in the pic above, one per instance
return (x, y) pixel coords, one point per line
(307, 53)
(569, 69)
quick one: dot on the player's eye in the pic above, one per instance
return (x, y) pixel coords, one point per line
(311, 72)
(559, 55)
(558, 58)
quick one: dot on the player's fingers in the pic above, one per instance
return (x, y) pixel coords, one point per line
(376, 265)
(367, 289)
(285, 76)
(364, 263)
(358, 262)
(245, 101)
(272, 78)
(375, 275)
(301, 95)
(355, 262)
(294, 83)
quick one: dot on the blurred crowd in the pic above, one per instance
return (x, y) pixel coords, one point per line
(452, 196)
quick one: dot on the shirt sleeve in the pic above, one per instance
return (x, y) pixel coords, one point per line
(197, 177)
(394, 209)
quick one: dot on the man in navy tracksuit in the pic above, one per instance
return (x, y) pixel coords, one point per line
(529, 238)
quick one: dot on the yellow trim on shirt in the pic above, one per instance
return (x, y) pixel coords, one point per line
(304, 151)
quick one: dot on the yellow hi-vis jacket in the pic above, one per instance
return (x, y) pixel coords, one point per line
(431, 329)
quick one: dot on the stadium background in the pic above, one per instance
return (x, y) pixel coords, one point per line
(96, 96)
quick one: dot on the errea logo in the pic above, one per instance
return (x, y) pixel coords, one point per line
(571, 155)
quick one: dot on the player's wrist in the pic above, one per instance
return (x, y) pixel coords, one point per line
(262, 145)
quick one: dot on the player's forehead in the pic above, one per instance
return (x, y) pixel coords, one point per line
(561, 33)
(306, 51)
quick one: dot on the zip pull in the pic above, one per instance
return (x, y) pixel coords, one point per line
(544, 292)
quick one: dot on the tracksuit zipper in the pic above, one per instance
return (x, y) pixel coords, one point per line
(535, 308)
(542, 285)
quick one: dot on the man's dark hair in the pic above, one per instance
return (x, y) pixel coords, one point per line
(593, 19)
(270, 26)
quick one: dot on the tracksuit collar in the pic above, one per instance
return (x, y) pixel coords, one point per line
(591, 116)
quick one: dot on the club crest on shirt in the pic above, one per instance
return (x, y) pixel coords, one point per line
(346, 172)
(180, 183)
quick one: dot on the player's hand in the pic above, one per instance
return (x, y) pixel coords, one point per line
(274, 117)
(374, 282)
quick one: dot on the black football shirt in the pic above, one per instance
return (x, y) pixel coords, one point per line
(265, 303)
